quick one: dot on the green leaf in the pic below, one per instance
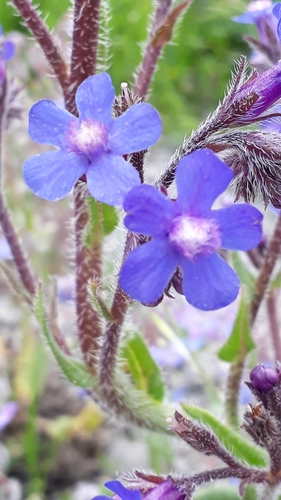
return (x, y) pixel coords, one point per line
(244, 274)
(74, 370)
(103, 220)
(145, 371)
(233, 441)
(240, 342)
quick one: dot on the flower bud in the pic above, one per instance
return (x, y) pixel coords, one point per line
(264, 379)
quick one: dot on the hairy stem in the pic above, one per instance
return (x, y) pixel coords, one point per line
(88, 269)
(20, 261)
(271, 255)
(152, 50)
(40, 32)
(232, 391)
(262, 281)
(87, 260)
(8, 229)
(84, 46)
(273, 324)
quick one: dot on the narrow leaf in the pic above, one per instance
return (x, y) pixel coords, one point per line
(165, 32)
(244, 274)
(240, 342)
(74, 370)
(145, 371)
(103, 220)
(233, 441)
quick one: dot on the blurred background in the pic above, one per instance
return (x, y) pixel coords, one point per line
(55, 443)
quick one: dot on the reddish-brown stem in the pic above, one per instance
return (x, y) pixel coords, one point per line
(40, 32)
(263, 279)
(88, 260)
(152, 51)
(88, 268)
(21, 263)
(273, 324)
(84, 46)
(271, 255)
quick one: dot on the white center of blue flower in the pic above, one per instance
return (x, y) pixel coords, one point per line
(89, 139)
(193, 236)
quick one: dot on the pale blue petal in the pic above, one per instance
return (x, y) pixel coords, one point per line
(209, 283)
(48, 123)
(9, 50)
(52, 175)
(201, 177)
(94, 98)
(150, 212)
(137, 129)
(240, 226)
(148, 270)
(110, 178)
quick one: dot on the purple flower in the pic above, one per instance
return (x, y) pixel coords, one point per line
(258, 94)
(122, 493)
(7, 51)
(93, 145)
(277, 13)
(165, 491)
(187, 233)
(264, 379)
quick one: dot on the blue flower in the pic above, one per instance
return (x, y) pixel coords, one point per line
(277, 13)
(187, 233)
(122, 492)
(93, 145)
(257, 10)
(7, 51)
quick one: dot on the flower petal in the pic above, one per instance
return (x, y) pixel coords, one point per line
(123, 492)
(52, 175)
(201, 177)
(137, 129)
(48, 123)
(209, 283)
(240, 226)
(9, 50)
(94, 98)
(110, 178)
(150, 212)
(148, 270)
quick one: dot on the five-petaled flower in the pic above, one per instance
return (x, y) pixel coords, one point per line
(187, 233)
(7, 51)
(92, 145)
(122, 493)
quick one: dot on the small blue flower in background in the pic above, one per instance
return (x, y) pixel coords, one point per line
(187, 233)
(257, 10)
(7, 51)
(122, 493)
(93, 145)
(277, 13)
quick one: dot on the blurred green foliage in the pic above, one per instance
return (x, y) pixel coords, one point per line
(193, 74)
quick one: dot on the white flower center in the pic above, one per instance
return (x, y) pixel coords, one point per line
(89, 139)
(193, 236)
(259, 5)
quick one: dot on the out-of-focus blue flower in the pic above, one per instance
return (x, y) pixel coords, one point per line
(92, 145)
(7, 51)
(5, 251)
(257, 10)
(7, 414)
(122, 493)
(187, 233)
(277, 13)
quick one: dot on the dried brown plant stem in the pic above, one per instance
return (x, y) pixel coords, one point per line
(41, 33)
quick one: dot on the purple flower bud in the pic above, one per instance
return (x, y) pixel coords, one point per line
(165, 491)
(264, 379)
